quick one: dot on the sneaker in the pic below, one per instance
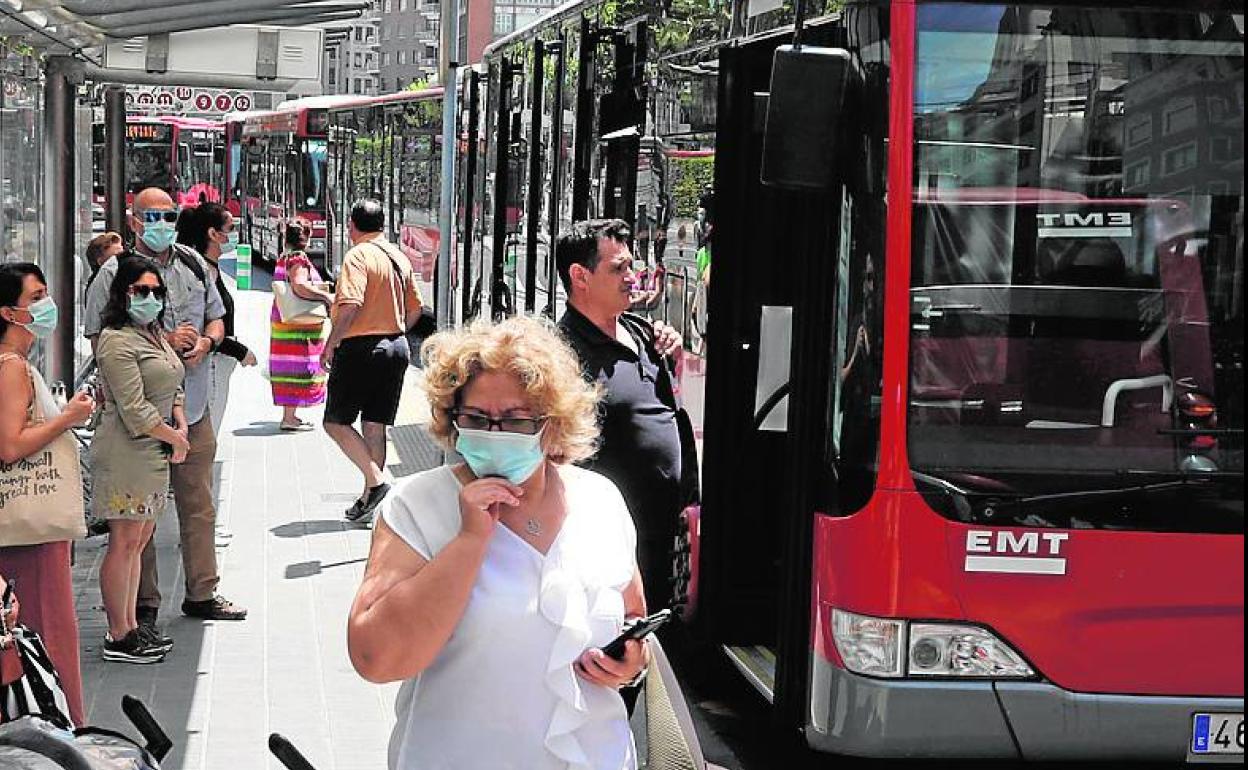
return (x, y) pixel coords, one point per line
(131, 648)
(362, 511)
(216, 608)
(151, 634)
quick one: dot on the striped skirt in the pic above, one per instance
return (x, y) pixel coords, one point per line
(295, 364)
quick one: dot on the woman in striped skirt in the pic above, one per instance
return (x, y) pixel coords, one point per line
(295, 349)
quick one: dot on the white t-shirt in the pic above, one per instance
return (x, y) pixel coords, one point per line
(502, 694)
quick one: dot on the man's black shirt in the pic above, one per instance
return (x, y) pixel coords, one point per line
(639, 448)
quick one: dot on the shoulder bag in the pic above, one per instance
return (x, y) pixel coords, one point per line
(41, 495)
(294, 309)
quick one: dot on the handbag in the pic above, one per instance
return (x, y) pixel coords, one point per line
(294, 309)
(38, 690)
(41, 495)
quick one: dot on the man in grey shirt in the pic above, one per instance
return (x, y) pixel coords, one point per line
(193, 327)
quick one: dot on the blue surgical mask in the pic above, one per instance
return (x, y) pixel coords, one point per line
(159, 236)
(233, 243)
(514, 456)
(144, 310)
(43, 317)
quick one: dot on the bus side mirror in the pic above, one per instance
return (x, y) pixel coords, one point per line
(808, 88)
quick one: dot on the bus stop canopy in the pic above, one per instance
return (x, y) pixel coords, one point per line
(75, 26)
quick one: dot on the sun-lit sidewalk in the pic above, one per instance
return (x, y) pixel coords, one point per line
(294, 564)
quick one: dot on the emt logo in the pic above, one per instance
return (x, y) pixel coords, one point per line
(1027, 553)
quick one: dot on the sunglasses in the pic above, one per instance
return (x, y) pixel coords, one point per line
(158, 292)
(473, 420)
(152, 217)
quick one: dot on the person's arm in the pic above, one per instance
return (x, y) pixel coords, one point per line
(17, 439)
(595, 666)
(352, 281)
(346, 316)
(298, 277)
(408, 607)
(230, 346)
(413, 304)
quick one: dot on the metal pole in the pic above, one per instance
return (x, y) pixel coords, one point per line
(115, 159)
(534, 204)
(556, 173)
(446, 204)
(59, 210)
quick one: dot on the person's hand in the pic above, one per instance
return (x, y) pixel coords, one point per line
(184, 337)
(666, 339)
(249, 359)
(327, 358)
(181, 446)
(79, 408)
(178, 457)
(594, 665)
(198, 352)
(480, 504)
(863, 340)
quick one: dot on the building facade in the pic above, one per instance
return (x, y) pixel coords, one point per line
(408, 43)
(352, 62)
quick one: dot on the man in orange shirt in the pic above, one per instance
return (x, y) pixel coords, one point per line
(367, 353)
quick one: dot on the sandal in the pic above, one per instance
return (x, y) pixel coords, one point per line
(298, 427)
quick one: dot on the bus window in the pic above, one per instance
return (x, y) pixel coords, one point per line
(312, 174)
(1073, 262)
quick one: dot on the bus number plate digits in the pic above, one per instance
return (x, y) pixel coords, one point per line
(1218, 734)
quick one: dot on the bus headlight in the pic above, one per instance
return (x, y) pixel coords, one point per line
(870, 646)
(939, 649)
(886, 647)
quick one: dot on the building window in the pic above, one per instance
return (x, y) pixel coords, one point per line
(359, 86)
(333, 54)
(359, 60)
(359, 34)
(333, 77)
(1136, 175)
(1180, 115)
(1179, 159)
(1139, 130)
(387, 6)
(402, 57)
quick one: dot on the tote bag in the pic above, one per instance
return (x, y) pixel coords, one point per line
(41, 495)
(38, 691)
(294, 309)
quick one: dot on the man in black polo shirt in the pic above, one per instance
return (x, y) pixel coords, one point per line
(640, 445)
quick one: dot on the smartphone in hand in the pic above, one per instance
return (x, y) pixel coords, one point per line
(639, 629)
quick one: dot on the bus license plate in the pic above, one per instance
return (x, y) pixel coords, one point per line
(1218, 734)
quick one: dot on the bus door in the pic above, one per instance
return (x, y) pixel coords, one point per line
(772, 342)
(468, 188)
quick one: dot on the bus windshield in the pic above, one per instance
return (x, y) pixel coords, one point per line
(148, 164)
(312, 174)
(1077, 265)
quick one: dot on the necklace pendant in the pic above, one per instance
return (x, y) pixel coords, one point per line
(533, 527)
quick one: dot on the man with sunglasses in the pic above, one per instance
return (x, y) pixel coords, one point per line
(641, 448)
(194, 327)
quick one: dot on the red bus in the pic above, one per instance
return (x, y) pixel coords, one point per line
(277, 164)
(1001, 514)
(971, 411)
(182, 156)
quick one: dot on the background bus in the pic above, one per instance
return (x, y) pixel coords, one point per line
(182, 156)
(389, 147)
(280, 174)
(972, 412)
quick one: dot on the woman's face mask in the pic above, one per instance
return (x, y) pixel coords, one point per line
(513, 456)
(145, 309)
(43, 317)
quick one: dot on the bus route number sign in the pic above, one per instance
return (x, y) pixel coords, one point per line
(1218, 734)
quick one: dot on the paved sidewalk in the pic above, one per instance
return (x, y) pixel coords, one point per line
(295, 564)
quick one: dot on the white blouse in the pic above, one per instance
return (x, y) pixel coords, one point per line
(502, 694)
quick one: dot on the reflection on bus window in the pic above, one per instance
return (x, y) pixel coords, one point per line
(1078, 261)
(314, 155)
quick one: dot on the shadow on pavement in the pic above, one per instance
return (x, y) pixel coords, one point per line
(305, 569)
(310, 527)
(260, 429)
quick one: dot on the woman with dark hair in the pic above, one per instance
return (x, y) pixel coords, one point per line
(142, 431)
(42, 572)
(295, 349)
(209, 229)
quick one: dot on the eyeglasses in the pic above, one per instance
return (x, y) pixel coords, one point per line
(474, 420)
(158, 292)
(158, 215)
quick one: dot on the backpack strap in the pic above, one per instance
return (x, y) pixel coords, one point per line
(191, 259)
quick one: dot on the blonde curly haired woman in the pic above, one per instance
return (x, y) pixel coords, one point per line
(492, 585)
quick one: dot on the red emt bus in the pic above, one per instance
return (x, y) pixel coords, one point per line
(993, 507)
(277, 167)
(970, 406)
(183, 156)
